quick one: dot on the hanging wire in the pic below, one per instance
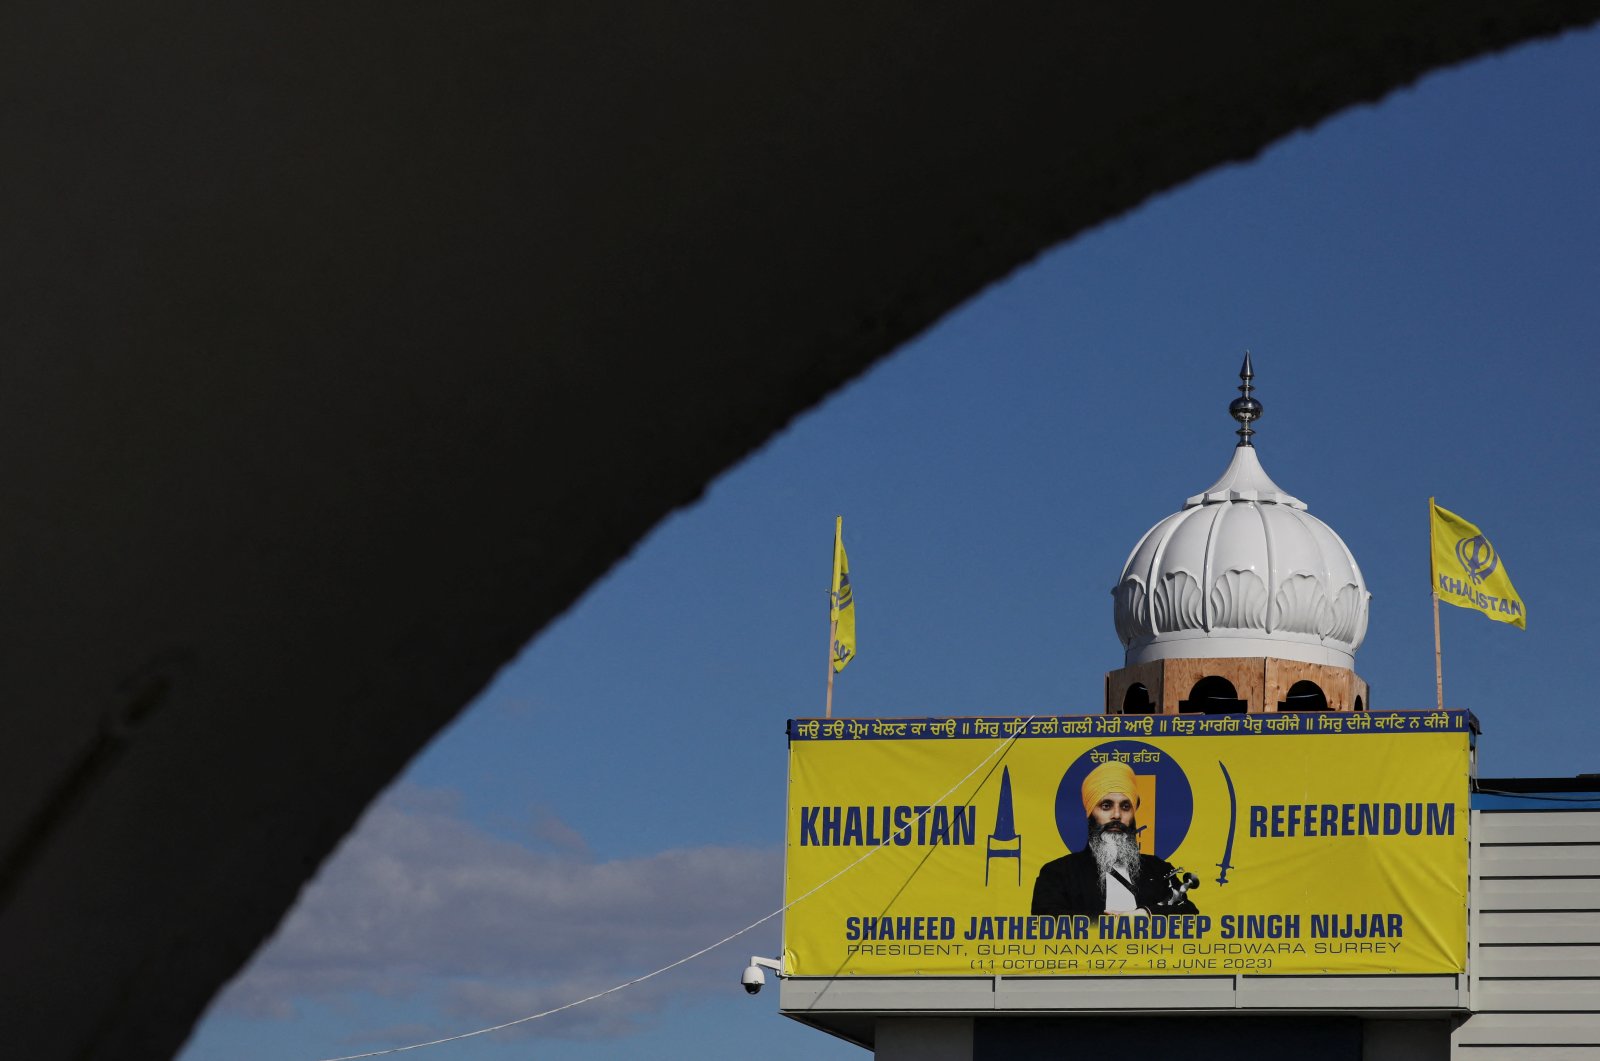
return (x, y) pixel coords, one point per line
(703, 950)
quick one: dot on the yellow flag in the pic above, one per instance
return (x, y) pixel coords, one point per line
(842, 603)
(1467, 571)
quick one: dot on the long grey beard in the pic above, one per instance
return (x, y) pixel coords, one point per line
(1118, 851)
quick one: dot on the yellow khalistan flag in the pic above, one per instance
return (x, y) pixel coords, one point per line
(842, 603)
(1467, 571)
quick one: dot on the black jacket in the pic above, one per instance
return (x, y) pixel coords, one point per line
(1074, 885)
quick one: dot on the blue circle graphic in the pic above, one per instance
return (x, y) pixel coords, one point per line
(1174, 803)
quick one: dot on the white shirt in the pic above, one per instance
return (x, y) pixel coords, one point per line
(1118, 898)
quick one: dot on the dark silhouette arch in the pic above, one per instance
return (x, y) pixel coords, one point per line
(286, 655)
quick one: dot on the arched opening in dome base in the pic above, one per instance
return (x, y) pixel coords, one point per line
(1304, 696)
(1212, 695)
(1137, 700)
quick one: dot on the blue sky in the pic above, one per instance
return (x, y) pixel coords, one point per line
(1419, 283)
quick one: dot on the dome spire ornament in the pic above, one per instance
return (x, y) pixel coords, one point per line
(1245, 479)
(1244, 408)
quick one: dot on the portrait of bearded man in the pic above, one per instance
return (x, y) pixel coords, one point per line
(1110, 875)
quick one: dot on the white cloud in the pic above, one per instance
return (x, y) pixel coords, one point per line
(422, 905)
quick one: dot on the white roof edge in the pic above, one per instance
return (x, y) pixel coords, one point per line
(1299, 648)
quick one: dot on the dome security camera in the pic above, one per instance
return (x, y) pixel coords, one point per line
(753, 978)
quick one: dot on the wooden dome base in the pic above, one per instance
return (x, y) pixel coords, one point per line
(1263, 684)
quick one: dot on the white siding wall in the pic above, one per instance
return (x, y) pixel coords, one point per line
(1535, 937)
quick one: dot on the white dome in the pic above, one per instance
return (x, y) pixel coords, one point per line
(1242, 570)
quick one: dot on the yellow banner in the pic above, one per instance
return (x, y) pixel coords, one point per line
(1467, 571)
(1258, 844)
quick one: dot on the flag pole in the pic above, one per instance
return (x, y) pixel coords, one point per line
(833, 633)
(839, 599)
(833, 613)
(1433, 582)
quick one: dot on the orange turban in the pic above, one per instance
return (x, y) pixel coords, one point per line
(1105, 779)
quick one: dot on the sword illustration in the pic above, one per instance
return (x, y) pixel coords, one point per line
(1233, 820)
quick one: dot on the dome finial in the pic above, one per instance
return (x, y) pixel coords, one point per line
(1244, 408)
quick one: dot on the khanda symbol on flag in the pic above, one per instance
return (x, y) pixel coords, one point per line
(1467, 571)
(1477, 557)
(842, 603)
